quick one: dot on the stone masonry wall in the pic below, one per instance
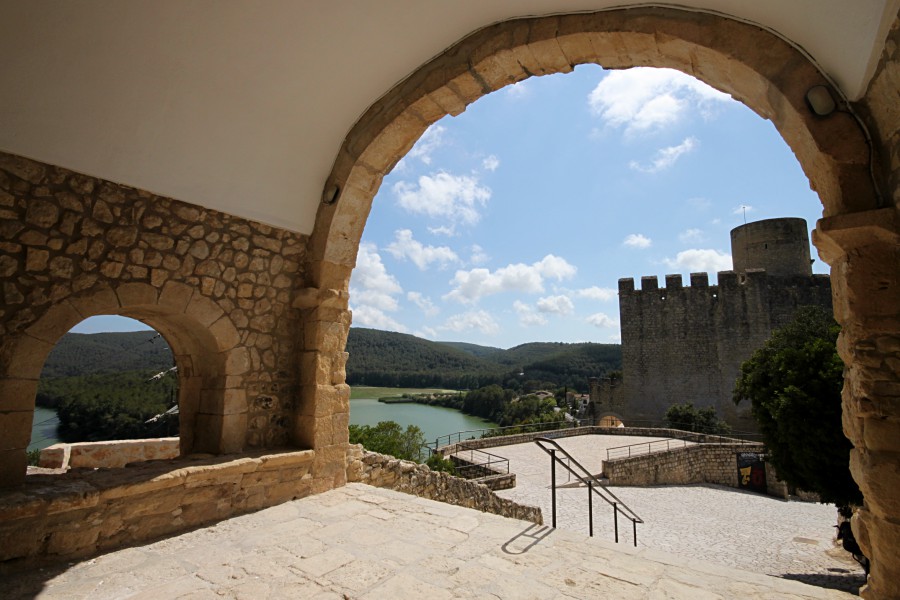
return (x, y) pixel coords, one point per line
(380, 470)
(83, 512)
(218, 287)
(686, 344)
(702, 463)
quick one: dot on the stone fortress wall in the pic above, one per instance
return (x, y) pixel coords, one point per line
(686, 344)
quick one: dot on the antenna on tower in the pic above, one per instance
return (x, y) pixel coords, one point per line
(744, 208)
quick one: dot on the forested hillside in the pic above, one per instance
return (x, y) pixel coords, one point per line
(397, 359)
(103, 386)
(385, 358)
(88, 353)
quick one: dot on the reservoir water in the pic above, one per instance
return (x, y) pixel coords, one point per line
(435, 421)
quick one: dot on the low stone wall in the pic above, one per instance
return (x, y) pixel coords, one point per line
(384, 471)
(98, 455)
(82, 512)
(701, 463)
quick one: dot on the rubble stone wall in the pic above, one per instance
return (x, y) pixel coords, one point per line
(385, 471)
(217, 287)
(701, 463)
(83, 512)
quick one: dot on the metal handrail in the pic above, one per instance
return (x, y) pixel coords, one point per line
(594, 486)
(524, 428)
(492, 460)
(626, 451)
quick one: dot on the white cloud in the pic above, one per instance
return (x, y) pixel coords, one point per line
(449, 231)
(369, 316)
(560, 305)
(430, 141)
(741, 209)
(646, 99)
(471, 285)
(521, 89)
(491, 163)
(455, 197)
(478, 320)
(479, 256)
(601, 320)
(423, 302)
(697, 260)
(405, 247)
(690, 235)
(666, 157)
(527, 315)
(597, 293)
(637, 240)
(370, 272)
(373, 291)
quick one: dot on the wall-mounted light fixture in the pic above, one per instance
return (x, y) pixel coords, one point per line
(331, 194)
(820, 101)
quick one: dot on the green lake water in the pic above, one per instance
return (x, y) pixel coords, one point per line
(435, 421)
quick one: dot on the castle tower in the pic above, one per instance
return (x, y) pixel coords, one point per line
(780, 246)
(686, 343)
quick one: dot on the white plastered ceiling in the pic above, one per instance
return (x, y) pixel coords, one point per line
(242, 105)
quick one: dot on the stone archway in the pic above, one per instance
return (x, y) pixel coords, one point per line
(859, 236)
(204, 341)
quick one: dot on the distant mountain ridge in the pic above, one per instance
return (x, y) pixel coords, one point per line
(387, 358)
(380, 358)
(79, 354)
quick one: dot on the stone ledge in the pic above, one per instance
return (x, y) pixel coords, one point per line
(82, 511)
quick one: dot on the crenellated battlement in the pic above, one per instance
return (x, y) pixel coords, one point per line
(727, 280)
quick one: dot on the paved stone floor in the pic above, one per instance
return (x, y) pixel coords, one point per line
(711, 523)
(364, 543)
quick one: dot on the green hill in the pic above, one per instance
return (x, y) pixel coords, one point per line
(95, 353)
(399, 360)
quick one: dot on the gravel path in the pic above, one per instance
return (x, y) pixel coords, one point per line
(708, 522)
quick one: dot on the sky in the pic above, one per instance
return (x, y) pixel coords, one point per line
(513, 221)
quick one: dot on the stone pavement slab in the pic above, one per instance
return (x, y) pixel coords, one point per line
(370, 543)
(712, 523)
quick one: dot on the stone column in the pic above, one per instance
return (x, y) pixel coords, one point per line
(863, 250)
(323, 415)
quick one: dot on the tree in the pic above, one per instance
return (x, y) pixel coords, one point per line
(794, 385)
(703, 420)
(388, 437)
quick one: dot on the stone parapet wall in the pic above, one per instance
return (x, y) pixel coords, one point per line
(97, 455)
(83, 512)
(385, 471)
(701, 463)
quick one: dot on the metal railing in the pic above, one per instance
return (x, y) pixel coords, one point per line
(593, 484)
(679, 441)
(644, 448)
(480, 464)
(472, 434)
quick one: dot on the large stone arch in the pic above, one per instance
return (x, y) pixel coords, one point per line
(206, 345)
(859, 235)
